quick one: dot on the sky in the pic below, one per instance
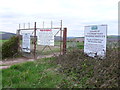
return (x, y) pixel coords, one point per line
(75, 14)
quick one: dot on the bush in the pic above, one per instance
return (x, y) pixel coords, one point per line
(90, 72)
(10, 47)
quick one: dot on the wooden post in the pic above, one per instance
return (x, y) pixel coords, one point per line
(64, 40)
(35, 40)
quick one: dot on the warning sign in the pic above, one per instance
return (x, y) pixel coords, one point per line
(45, 37)
(95, 40)
(26, 42)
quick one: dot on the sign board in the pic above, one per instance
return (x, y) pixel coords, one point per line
(45, 37)
(95, 40)
(26, 42)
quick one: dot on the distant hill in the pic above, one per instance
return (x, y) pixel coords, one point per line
(57, 38)
(6, 35)
(113, 38)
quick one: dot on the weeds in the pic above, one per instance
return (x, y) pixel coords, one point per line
(87, 72)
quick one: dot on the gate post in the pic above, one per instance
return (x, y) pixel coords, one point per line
(35, 41)
(18, 35)
(64, 40)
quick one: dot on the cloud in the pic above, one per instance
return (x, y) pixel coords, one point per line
(75, 14)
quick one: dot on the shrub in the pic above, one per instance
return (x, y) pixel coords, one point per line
(10, 47)
(90, 72)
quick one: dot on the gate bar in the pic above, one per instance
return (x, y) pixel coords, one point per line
(38, 28)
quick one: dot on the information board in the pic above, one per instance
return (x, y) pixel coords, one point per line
(95, 40)
(45, 37)
(26, 42)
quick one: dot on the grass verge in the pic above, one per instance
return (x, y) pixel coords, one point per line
(38, 74)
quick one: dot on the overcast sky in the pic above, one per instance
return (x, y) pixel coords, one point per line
(75, 14)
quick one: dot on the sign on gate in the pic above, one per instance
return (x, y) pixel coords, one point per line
(45, 37)
(95, 40)
(26, 42)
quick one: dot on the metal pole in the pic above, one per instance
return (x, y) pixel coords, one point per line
(35, 40)
(61, 38)
(29, 25)
(64, 40)
(19, 38)
(43, 24)
(51, 24)
(18, 35)
(24, 25)
(19, 26)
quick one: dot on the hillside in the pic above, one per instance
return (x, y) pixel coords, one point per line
(113, 38)
(6, 35)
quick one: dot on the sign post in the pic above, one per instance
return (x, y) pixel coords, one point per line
(95, 40)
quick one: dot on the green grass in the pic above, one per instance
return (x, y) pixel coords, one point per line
(0, 79)
(48, 52)
(38, 74)
(72, 44)
(3, 41)
(78, 45)
(75, 45)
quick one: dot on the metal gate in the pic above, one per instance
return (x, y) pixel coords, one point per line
(37, 51)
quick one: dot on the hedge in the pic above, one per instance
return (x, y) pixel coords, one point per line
(10, 47)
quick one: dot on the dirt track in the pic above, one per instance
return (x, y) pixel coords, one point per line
(8, 62)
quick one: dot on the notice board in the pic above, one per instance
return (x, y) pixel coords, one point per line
(95, 40)
(45, 37)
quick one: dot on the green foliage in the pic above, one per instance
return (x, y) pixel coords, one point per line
(10, 47)
(38, 74)
(86, 72)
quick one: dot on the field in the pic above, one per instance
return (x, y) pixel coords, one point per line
(3, 41)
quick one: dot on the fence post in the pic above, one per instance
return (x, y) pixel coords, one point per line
(35, 40)
(19, 38)
(64, 40)
(18, 35)
(61, 38)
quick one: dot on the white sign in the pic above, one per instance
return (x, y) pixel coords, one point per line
(95, 40)
(26, 42)
(45, 37)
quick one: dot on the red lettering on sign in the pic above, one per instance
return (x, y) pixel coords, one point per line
(46, 30)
